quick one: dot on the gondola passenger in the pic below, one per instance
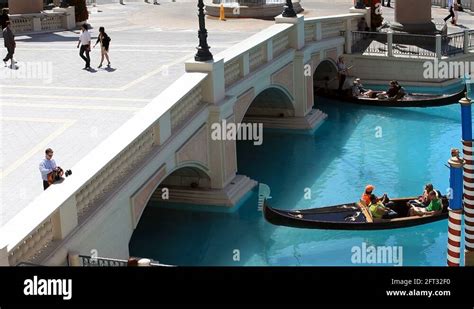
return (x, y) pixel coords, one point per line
(435, 206)
(423, 200)
(379, 211)
(359, 89)
(366, 195)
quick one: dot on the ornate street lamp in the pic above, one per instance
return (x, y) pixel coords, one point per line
(203, 53)
(289, 11)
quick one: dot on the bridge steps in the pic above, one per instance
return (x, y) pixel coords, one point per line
(227, 197)
(309, 122)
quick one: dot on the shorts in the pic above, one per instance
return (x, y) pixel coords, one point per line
(420, 210)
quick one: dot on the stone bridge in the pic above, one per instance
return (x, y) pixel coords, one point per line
(266, 79)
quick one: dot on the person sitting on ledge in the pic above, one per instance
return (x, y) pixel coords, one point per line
(434, 207)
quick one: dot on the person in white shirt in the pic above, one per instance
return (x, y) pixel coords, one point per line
(85, 43)
(46, 166)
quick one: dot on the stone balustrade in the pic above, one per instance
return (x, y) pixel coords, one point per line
(57, 19)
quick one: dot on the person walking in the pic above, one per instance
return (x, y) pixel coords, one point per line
(85, 43)
(10, 44)
(4, 18)
(451, 11)
(456, 9)
(104, 40)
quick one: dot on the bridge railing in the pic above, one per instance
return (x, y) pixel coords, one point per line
(391, 44)
(319, 28)
(249, 55)
(52, 20)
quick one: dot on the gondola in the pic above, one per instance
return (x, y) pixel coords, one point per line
(409, 100)
(351, 216)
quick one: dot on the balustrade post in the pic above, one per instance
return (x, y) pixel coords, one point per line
(348, 36)
(36, 24)
(439, 46)
(64, 220)
(466, 41)
(319, 31)
(214, 86)
(269, 51)
(245, 64)
(390, 44)
(73, 258)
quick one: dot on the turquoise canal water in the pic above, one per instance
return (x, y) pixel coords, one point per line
(335, 163)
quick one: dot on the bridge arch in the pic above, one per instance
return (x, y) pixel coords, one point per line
(190, 174)
(272, 101)
(325, 74)
(187, 175)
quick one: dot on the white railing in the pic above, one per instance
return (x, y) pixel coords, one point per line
(52, 22)
(319, 28)
(411, 45)
(249, 55)
(22, 24)
(48, 21)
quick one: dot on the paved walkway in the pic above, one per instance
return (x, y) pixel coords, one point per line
(51, 102)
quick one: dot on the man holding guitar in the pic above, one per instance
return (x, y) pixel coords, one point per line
(49, 170)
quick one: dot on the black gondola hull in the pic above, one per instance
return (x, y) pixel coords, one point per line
(335, 218)
(415, 100)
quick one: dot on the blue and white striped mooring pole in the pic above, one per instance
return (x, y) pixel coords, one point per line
(468, 152)
(455, 208)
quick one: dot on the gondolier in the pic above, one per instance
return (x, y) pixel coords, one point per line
(342, 72)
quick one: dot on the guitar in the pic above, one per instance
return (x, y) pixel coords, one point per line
(57, 175)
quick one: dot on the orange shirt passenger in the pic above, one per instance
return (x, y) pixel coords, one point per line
(366, 195)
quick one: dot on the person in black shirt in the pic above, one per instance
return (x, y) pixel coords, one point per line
(104, 40)
(4, 18)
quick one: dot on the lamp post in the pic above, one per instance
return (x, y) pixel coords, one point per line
(289, 11)
(203, 53)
